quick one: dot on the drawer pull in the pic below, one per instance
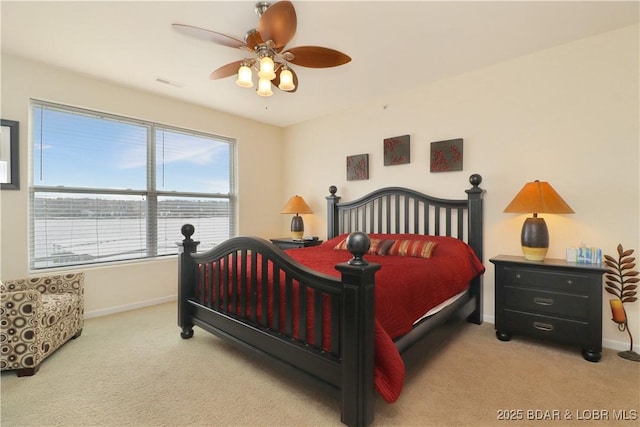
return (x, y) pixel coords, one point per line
(543, 326)
(569, 282)
(543, 301)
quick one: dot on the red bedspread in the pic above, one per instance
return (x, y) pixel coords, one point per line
(406, 288)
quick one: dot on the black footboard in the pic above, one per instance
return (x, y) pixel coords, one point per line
(249, 291)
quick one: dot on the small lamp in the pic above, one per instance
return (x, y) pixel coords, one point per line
(296, 205)
(536, 197)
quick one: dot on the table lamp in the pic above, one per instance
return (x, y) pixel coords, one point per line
(536, 197)
(296, 205)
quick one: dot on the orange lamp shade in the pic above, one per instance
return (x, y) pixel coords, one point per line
(538, 197)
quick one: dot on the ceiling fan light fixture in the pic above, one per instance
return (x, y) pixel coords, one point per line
(264, 87)
(269, 56)
(267, 68)
(286, 79)
(245, 76)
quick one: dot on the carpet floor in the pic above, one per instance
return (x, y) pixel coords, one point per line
(133, 369)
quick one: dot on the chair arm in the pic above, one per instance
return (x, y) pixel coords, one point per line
(49, 284)
(15, 304)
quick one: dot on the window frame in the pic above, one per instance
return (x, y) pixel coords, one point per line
(151, 194)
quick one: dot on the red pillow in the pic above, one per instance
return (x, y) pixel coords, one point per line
(378, 246)
(413, 248)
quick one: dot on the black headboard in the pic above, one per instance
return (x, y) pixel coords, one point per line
(402, 210)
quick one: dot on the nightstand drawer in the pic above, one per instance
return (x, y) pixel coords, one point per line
(561, 304)
(547, 326)
(555, 280)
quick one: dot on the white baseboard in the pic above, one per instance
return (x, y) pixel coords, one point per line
(128, 307)
(606, 343)
(619, 345)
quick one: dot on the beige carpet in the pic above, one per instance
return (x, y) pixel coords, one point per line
(133, 369)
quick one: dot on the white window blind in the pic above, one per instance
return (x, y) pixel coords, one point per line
(106, 188)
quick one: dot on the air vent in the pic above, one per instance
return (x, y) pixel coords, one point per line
(169, 82)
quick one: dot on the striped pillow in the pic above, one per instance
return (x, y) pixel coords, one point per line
(413, 248)
(378, 246)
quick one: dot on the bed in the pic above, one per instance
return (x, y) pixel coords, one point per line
(346, 311)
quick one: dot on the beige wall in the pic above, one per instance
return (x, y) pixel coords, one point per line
(123, 286)
(567, 115)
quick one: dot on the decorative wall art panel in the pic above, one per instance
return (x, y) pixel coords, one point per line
(357, 167)
(446, 155)
(397, 150)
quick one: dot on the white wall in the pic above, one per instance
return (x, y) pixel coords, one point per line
(115, 287)
(568, 115)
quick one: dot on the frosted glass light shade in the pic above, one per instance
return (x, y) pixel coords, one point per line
(245, 77)
(286, 80)
(264, 87)
(267, 68)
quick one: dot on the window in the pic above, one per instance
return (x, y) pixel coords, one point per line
(106, 188)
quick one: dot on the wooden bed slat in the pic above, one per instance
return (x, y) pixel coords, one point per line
(275, 307)
(288, 322)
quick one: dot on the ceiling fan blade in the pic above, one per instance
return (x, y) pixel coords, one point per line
(208, 35)
(226, 70)
(278, 23)
(253, 39)
(317, 57)
(276, 81)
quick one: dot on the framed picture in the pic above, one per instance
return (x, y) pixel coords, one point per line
(357, 167)
(397, 150)
(9, 161)
(446, 155)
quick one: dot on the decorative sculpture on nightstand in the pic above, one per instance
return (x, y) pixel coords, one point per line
(621, 282)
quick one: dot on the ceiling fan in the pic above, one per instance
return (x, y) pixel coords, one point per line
(276, 27)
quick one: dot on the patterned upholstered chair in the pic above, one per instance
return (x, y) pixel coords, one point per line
(38, 315)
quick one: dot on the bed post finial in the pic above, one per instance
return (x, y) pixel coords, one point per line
(475, 180)
(358, 243)
(187, 231)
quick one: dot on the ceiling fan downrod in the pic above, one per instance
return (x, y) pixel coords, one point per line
(261, 7)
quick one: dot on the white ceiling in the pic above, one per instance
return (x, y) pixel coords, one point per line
(394, 45)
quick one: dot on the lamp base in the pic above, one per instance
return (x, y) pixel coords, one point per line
(534, 239)
(630, 355)
(297, 227)
(534, 254)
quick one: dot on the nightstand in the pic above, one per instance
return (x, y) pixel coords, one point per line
(288, 243)
(551, 299)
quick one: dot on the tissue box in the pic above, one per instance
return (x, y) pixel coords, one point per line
(584, 255)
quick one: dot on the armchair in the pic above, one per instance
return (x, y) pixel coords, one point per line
(37, 315)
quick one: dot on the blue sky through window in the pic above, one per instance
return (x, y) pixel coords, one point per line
(77, 150)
